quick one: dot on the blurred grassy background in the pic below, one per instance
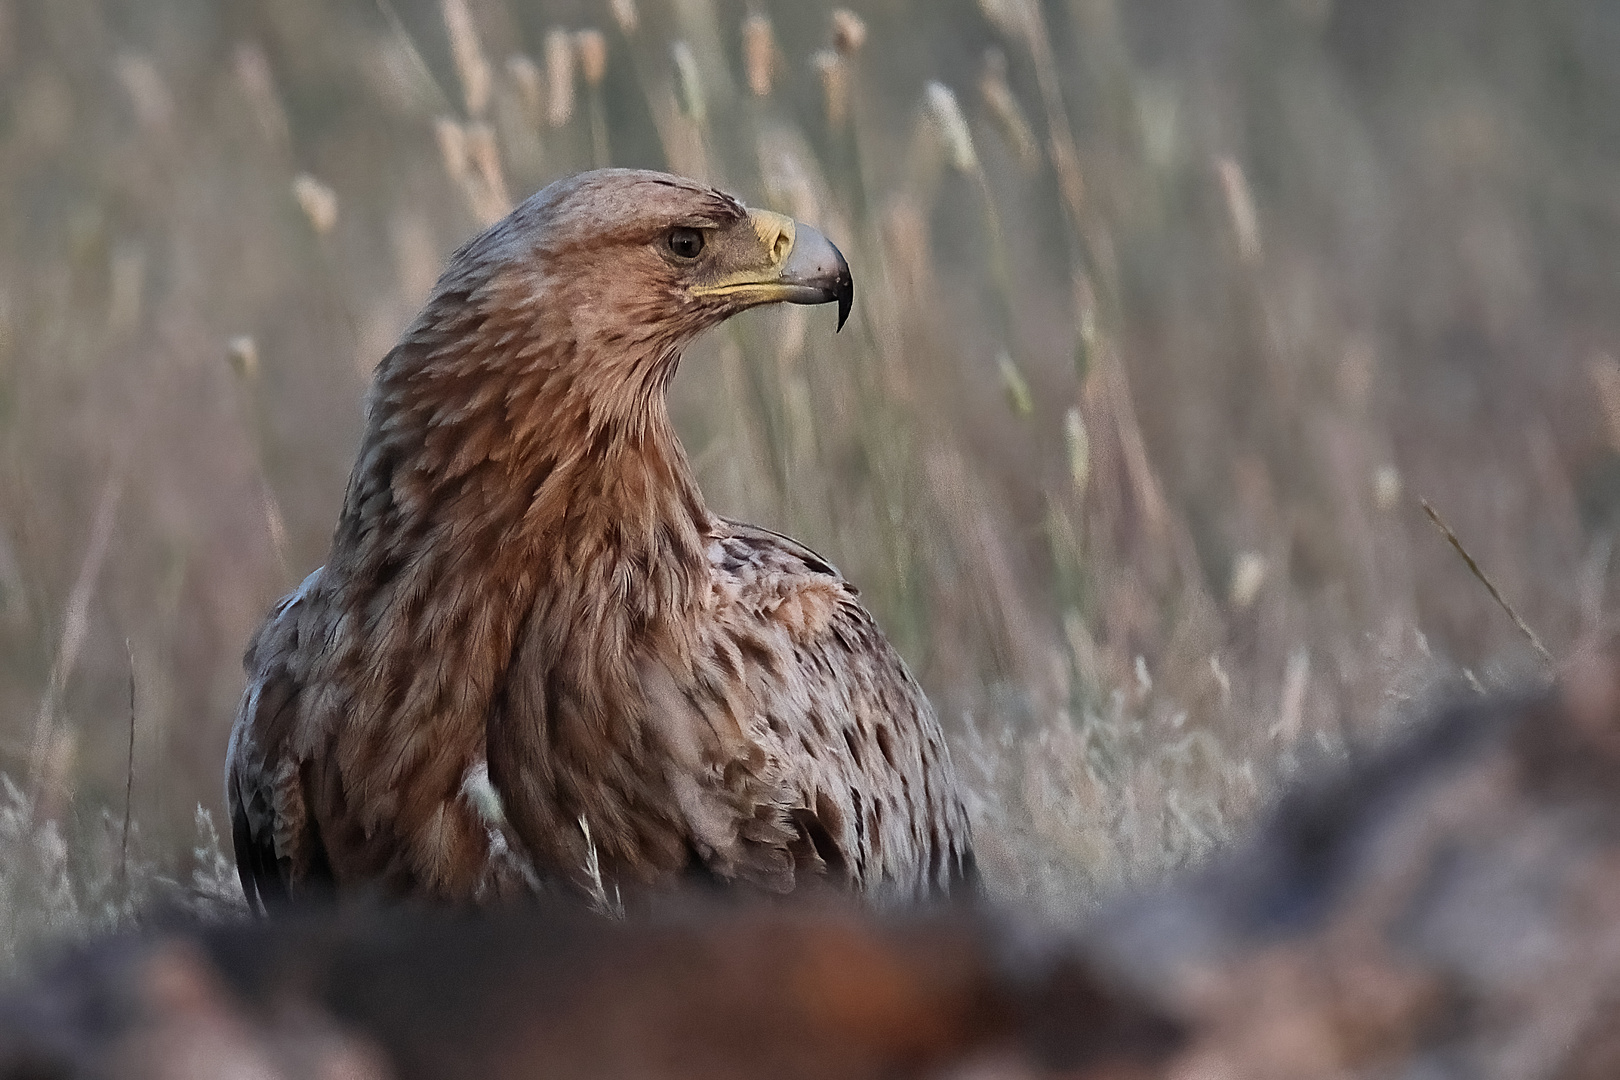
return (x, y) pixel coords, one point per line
(1167, 313)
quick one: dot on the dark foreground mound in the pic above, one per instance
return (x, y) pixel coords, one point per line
(1449, 907)
(743, 993)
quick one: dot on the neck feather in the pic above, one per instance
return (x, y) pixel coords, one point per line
(497, 479)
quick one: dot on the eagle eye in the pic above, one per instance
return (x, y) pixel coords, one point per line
(686, 243)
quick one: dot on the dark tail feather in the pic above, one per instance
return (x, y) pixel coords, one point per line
(263, 882)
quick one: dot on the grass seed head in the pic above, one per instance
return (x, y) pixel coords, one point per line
(242, 353)
(624, 13)
(952, 127)
(1007, 113)
(849, 32)
(471, 66)
(559, 78)
(489, 196)
(452, 138)
(1240, 207)
(148, 94)
(1011, 18)
(253, 74)
(1248, 575)
(1387, 488)
(1078, 442)
(318, 202)
(592, 48)
(526, 79)
(834, 86)
(759, 54)
(688, 82)
(1014, 383)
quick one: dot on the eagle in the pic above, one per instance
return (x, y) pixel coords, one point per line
(534, 660)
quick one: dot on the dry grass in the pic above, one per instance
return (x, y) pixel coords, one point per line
(1168, 312)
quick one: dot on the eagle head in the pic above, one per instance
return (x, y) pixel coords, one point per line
(551, 336)
(626, 261)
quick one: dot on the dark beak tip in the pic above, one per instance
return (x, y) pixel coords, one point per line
(816, 272)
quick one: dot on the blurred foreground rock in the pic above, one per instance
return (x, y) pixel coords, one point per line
(708, 993)
(1449, 907)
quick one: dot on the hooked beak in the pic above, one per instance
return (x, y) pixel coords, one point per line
(802, 267)
(816, 273)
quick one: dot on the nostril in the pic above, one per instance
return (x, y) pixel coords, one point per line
(781, 247)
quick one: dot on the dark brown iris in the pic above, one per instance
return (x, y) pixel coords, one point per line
(686, 243)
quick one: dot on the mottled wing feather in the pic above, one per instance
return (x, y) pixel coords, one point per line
(851, 743)
(303, 825)
(794, 746)
(270, 829)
